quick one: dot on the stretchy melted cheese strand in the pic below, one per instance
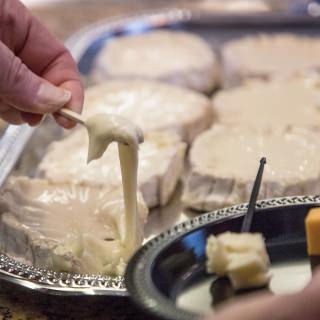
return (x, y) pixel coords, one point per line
(103, 129)
(106, 128)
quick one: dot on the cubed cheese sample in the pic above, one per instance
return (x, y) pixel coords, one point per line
(240, 256)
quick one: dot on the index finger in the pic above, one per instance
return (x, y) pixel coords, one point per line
(42, 53)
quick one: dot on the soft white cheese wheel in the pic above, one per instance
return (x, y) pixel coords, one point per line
(275, 104)
(161, 162)
(179, 58)
(152, 106)
(224, 162)
(266, 56)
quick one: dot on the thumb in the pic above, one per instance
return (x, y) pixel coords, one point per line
(24, 90)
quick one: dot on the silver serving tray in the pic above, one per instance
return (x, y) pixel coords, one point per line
(51, 282)
(84, 46)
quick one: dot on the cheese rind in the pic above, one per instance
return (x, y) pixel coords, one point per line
(161, 162)
(223, 161)
(312, 223)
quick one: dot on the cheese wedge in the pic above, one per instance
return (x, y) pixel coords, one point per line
(312, 223)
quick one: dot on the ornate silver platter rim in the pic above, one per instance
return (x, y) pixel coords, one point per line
(79, 284)
(236, 210)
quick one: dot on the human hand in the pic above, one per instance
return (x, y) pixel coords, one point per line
(38, 74)
(297, 306)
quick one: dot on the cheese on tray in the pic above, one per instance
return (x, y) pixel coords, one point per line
(66, 227)
(240, 256)
(222, 159)
(179, 58)
(161, 162)
(313, 231)
(274, 104)
(152, 106)
(268, 56)
(312, 225)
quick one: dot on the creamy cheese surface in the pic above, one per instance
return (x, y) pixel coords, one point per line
(106, 128)
(151, 106)
(235, 153)
(274, 104)
(272, 55)
(80, 227)
(66, 227)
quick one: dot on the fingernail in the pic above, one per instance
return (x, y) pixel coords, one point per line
(51, 98)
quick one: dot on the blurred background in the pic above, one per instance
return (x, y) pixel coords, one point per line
(64, 17)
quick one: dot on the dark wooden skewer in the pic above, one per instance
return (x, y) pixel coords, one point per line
(247, 220)
(221, 288)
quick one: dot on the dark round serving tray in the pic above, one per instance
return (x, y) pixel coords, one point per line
(174, 260)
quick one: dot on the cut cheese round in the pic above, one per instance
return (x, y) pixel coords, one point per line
(65, 227)
(152, 106)
(161, 161)
(224, 162)
(268, 56)
(272, 105)
(179, 58)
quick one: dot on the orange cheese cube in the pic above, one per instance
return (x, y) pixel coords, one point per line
(312, 223)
